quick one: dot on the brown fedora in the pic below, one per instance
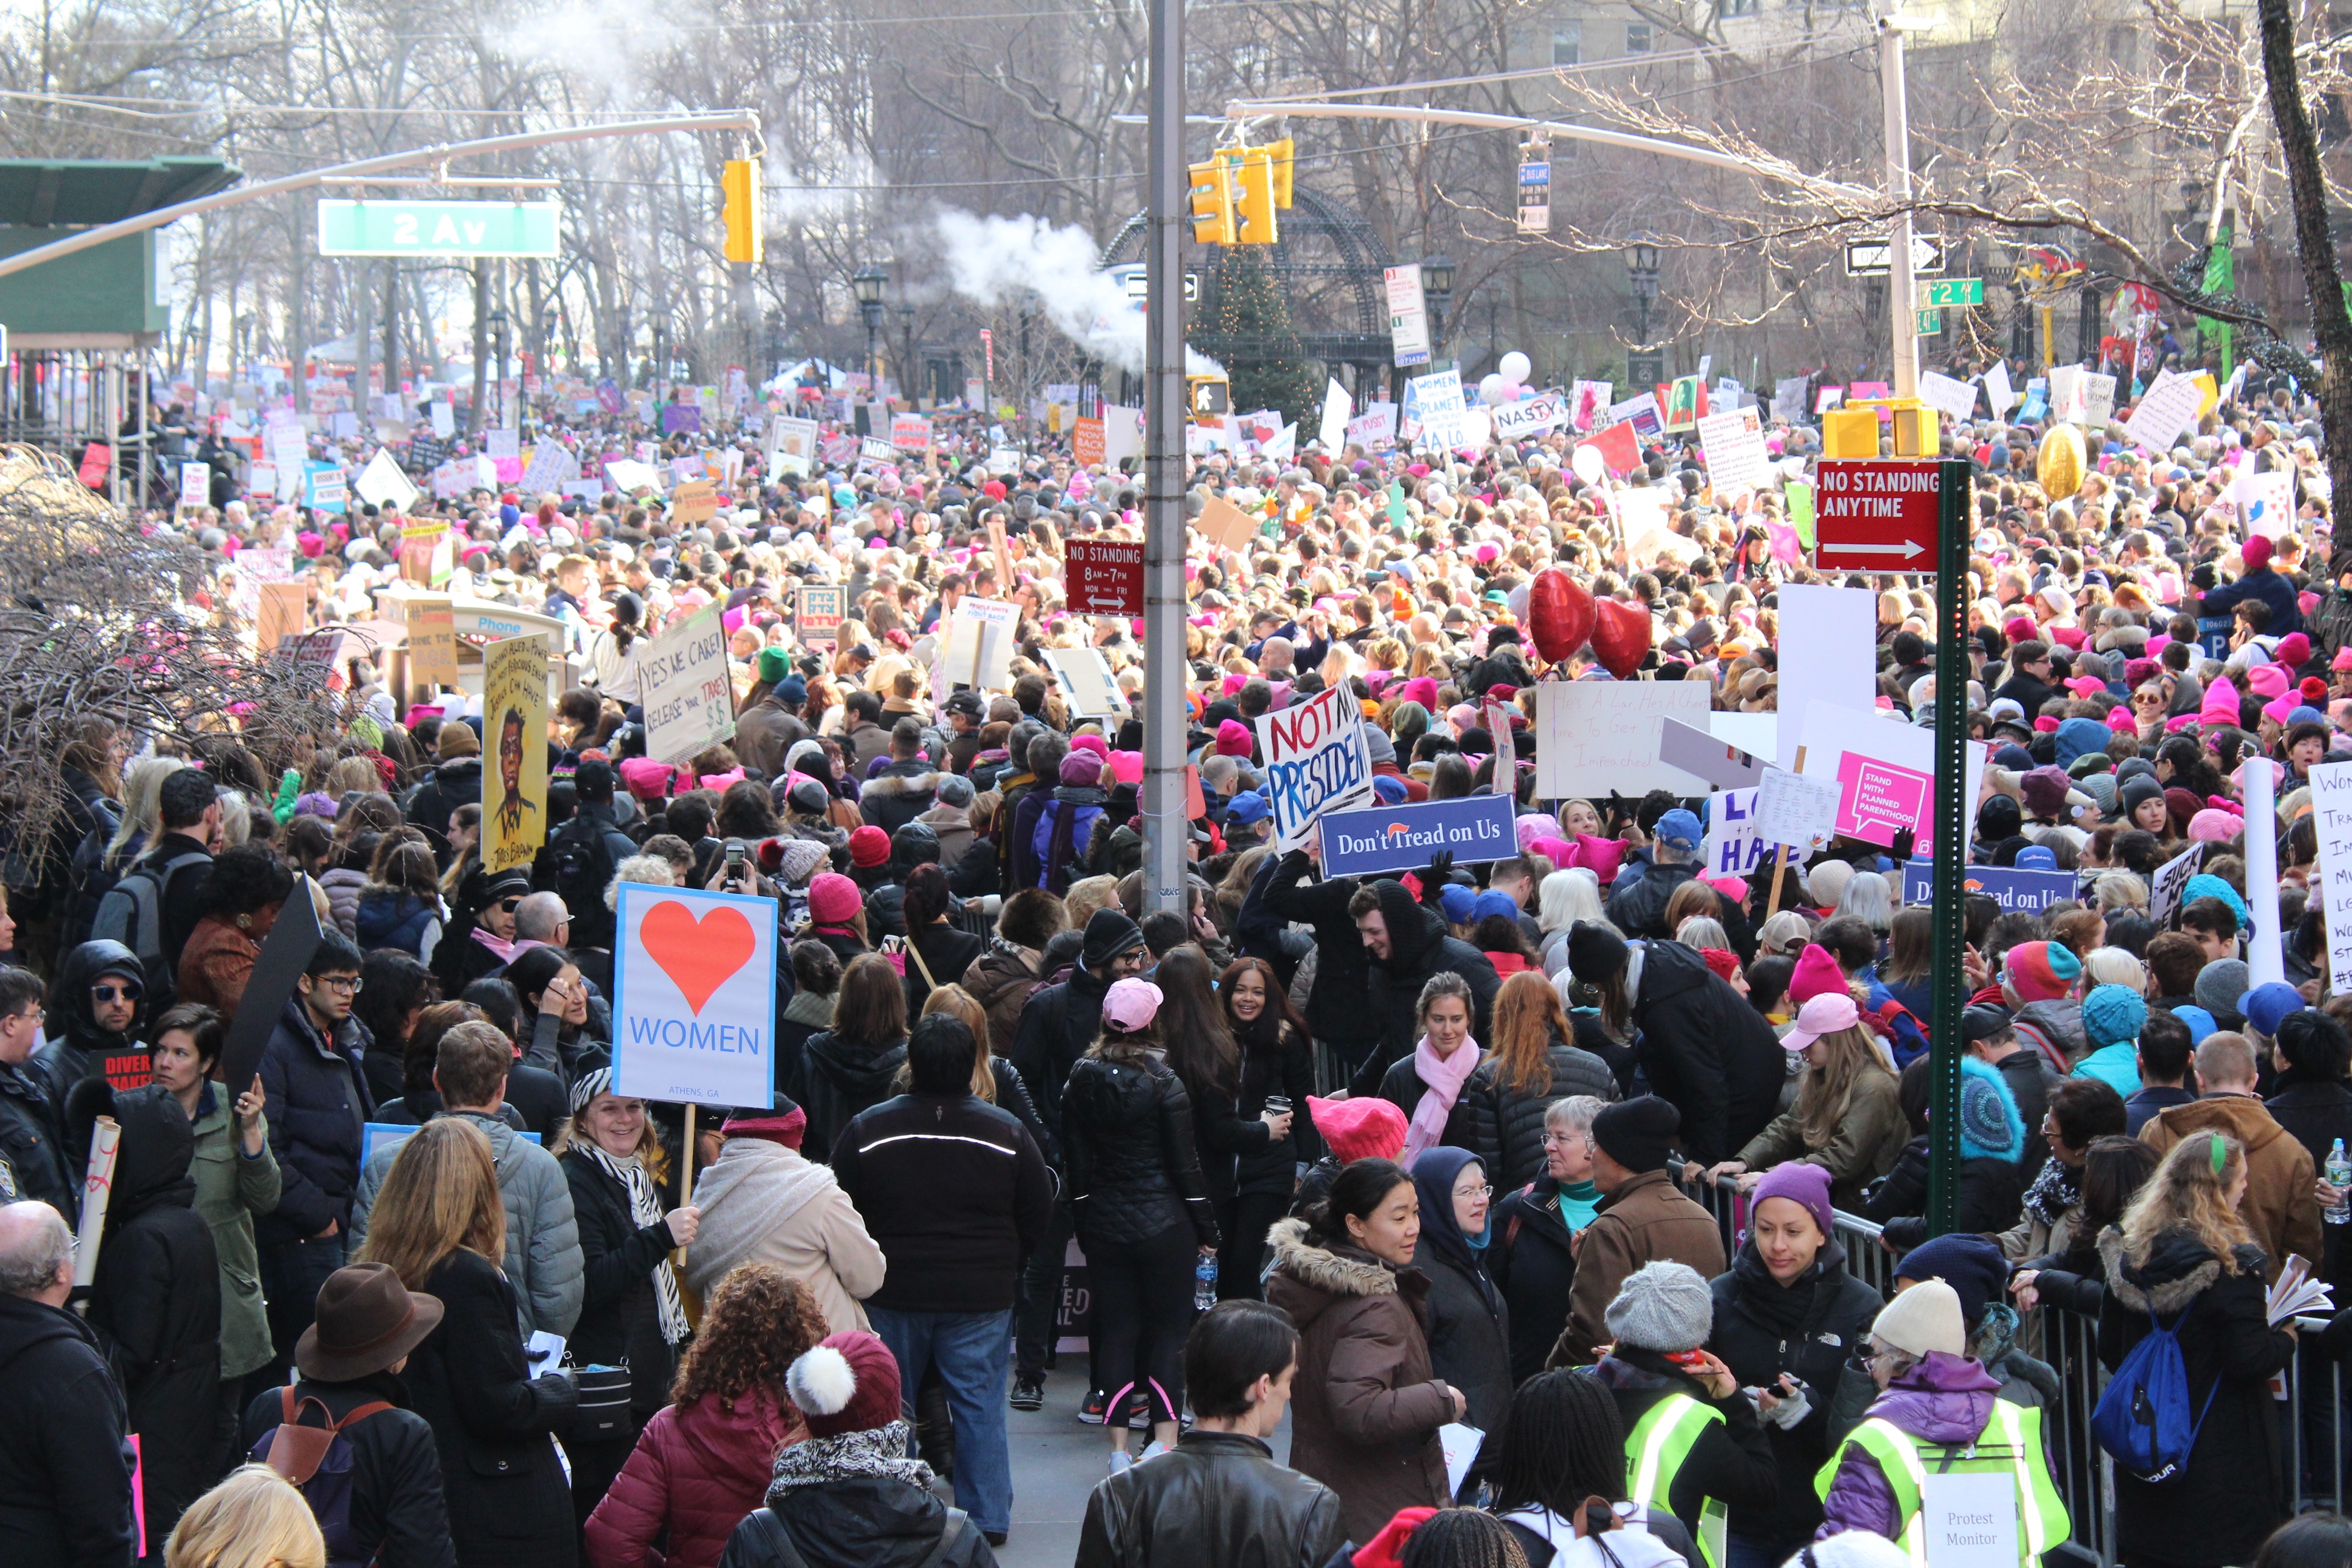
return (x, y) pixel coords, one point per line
(366, 1321)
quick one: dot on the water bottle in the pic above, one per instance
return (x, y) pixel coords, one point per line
(1205, 1279)
(2339, 1176)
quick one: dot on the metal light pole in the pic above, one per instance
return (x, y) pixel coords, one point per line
(1437, 287)
(910, 386)
(498, 362)
(1165, 826)
(1901, 293)
(870, 286)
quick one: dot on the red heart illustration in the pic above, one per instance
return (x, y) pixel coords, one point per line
(1621, 638)
(1560, 613)
(699, 957)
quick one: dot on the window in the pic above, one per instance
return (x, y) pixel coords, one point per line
(1567, 42)
(1637, 37)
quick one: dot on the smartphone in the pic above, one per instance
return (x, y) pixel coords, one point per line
(735, 854)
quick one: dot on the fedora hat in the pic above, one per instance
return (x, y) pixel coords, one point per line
(366, 1321)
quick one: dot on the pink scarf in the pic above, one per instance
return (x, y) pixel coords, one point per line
(1443, 1077)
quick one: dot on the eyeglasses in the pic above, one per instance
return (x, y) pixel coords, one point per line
(1474, 1192)
(509, 906)
(343, 985)
(126, 992)
(1563, 1140)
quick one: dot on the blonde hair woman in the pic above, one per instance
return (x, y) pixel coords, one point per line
(253, 1519)
(1848, 1118)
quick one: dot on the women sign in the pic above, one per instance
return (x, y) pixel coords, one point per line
(694, 996)
(1316, 760)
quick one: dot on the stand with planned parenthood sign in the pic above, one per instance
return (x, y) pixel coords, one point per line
(1317, 761)
(1471, 828)
(694, 996)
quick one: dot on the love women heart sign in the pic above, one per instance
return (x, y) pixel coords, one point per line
(694, 996)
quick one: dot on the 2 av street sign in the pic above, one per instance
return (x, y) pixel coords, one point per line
(1876, 516)
(1951, 291)
(440, 228)
(1875, 258)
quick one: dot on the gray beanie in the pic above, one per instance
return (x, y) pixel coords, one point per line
(1664, 1307)
(2220, 985)
(955, 790)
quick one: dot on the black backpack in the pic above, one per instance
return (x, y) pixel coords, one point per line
(580, 866)
(132, 914)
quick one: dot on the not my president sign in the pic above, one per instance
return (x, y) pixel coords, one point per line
(1471, 828)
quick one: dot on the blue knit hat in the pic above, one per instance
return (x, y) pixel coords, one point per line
(1459, 902)
(2112, 1013)
(2205, 885)
(1973, 1267)
(1390, 788)
(1990, 1125)
(2201, 1024)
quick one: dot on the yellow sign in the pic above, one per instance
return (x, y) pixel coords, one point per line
(431, 625)
(514, 733)
(695, 501)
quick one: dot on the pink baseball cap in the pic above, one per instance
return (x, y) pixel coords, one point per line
(1824, 1015)
(1131, 1004)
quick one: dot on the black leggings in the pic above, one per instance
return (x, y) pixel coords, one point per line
(1143, 1309)
(1246, 1221)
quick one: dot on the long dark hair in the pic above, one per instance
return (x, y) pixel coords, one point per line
(1277, 1021)
(1200, 1046)
(391, 984)
(1562, 1443)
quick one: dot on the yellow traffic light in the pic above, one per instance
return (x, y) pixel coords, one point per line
(739, 182)
(1282, 153)
(1213, 202)
(1254, 201)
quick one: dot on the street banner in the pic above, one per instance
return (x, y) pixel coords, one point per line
(2024, 892)
(514, 784)
(690, 702)
(1472, 828)
(1317, 761)
(694, 996)
(1408, 314)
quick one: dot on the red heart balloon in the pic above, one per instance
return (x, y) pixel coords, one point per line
(1560, 613)
(1621, 638)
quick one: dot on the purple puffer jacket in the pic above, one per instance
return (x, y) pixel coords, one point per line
(1944, 1399)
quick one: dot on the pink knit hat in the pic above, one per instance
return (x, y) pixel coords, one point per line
(1816, 974)
(2220, 704)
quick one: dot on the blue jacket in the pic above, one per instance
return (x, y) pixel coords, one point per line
(2287, 609)
(317, 1109)
(393, 919)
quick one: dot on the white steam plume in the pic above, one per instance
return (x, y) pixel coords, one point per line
(995, 260)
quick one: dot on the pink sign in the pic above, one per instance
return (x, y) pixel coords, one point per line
(1876, 799)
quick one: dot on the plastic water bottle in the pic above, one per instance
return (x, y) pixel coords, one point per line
(2339, 1176)
(1205, 1276)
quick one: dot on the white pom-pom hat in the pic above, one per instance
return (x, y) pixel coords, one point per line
(848, 1384)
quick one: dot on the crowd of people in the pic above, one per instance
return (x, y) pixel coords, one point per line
(1426, 1165)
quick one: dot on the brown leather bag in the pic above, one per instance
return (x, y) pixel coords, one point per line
(297, 1451)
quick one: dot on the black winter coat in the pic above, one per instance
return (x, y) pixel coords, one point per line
(618, 1318)
(1809, 1329)
(1339, 1011)
(954, 1192)
(2317, 1114)
(1418, 948)
(1218, 1498)
(509, 1505)
(1134, 1163)
(2225, 1503)
(397, 1512)
(1707, 1050)
(1058, 1025)
(1227, 1138)
(835, 1079)
(1469, 1342)
(1534, 1266)
(1639, 908)
(948, 951)
(1287, 1069)
(450, 786)
(156, 1305)
(1507, 1126)
(1732, 1460)
(32, 1148)
(317, 1107)
(2031, 1079)
(858, 1522)
(1991, 1197)
(64, 1449)
(1401, 1087)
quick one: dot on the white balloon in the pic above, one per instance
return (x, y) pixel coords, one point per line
(1588, 463)
(1490, 389)
(1516, 366)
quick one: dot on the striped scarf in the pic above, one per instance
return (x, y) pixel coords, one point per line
(646, 1207)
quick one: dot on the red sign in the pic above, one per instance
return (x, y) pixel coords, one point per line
(1876, 516)
(1106, 576)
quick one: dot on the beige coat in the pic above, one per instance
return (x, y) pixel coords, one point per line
(1647, 1220)
(762, 1203)
(1869, 1139)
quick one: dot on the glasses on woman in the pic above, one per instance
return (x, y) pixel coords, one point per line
(1474, 1192)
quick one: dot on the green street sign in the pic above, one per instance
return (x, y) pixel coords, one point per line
(1951, 291)
(440, 228)
(1927, 324)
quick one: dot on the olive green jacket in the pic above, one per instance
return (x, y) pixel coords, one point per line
(230, 1190)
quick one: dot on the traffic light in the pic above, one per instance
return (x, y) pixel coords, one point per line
(1213, 202)
(739, 182)
(1281, 151)
(1254, 201)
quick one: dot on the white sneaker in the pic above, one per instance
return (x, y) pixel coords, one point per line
(1151, 1448)
(1121, 1460)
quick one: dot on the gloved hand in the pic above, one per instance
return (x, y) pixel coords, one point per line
(1906, 841)
(1440, 872)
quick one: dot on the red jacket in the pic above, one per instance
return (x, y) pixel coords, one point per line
(699, 1470)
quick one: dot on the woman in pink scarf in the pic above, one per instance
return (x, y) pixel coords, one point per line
(1426, 1085)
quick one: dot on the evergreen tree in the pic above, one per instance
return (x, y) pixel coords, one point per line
(1250, 331)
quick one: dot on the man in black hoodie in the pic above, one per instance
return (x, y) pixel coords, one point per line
(1408, 944)
(64, 1449)
(97, 1004)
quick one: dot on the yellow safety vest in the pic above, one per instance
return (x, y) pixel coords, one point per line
(2016, 1448)
(1654, 1452)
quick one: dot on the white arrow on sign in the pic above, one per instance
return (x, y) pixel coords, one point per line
(1875, 257)
(1908, 548)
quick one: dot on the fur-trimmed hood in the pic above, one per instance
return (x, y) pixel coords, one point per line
(884, 785)
(2178, 1270)
(1324, 1272)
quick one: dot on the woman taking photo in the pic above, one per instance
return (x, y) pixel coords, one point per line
(1848, 1118)
(1786, 1317)
(705, 1459)
(237, 903)
(1469, 1327)
(630, 1311)
(1564, 1446)
(1428, 1085)
(1277, 1062)
(847, 1069)
(438, 1225)
(236, 1178)
(2183, 1256)
(1365, 1404)
(1141, 1208)
(1533, 1065)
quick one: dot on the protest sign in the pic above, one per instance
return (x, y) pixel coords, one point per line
(818, 610)
(1733, 849)
(1376, 426)
(2258, 789)
(2025, 892)
(1106, 576)
(325, 489)
(1084, 676)
(2266, 503)
(382, 483)
(195, 486)
(694, 996)
(1947, 394)
(1885, 772)
(1643, 414)
(1827, 398)
(1529, 416)
(793, 443)
(2098, 399)
(430, 621)
(1794, 810)
(1589, 403)
(501, 444)
(1472, 828)
(1336, 408)
(1317, 760)
(695, 501)
(2169, 408)
(978, 651)
(1789, 399)
(1596, 736)
(1504, 776)
(629, 476)
(1697, 750)
(2164, 886)
(1998, 393)
(1223, 524)
(514, 783)
(550, 465)
(690, 702)
(2331, 803)
(284, 607)
(1829, 654)
(1736, 456)
(284, 954)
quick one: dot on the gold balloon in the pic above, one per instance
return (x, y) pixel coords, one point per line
(2059, 465)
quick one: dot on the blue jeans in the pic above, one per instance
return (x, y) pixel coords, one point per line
(291, 1273)
(969, 1348)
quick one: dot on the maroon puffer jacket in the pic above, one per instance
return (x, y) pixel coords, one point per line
(699, 1470)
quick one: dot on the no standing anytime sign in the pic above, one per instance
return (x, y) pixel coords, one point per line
(1876, 516)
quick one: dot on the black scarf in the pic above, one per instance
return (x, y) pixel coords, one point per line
(2058, 1189)
(1789, 1311)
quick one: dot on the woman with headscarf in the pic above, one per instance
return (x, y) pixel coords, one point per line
(1469, 1325)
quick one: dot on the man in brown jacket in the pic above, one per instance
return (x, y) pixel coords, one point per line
(2281, 1206)
(1644, 1218)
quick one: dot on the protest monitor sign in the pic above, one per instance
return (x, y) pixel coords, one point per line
(284, 606)
(1596, 736)
(694, 996)
(690, 702)
(431, 625)
(818, 610)
(514, 781)
(1317, 761)
(2331, 803)
(1106, 576)
(1472, 828)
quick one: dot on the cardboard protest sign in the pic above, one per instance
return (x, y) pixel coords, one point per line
(1736, 454)
(1595, 736)
(1829, 653)
(514, 781)
(1317, 761)
(431, 622)
(1472, 828)
(695, 501)
(690, 701)
(978, 650)
(2164, 886)
(1084, 676)
(818, 610)
(694, 996)
(285, 606)
(1697, 750)
(1885, 773)
(1223, 524)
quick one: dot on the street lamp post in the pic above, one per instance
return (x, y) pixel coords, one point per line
(1641, 367)
(775, 342)
(908, 384)
(498, 362)
(1437, 286)
(870, 285)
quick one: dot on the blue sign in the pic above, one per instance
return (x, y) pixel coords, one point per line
(1398, 838)
(2030, 891)
(2213, 632)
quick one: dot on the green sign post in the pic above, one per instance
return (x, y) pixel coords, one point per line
(440, 228)
(1955, 819)
(1942, 291)
(1927, 324)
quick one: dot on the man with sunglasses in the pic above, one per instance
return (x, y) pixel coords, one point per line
(96, 1006)
(490, 944)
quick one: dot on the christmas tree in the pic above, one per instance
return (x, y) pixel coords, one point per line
(1249, 330)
